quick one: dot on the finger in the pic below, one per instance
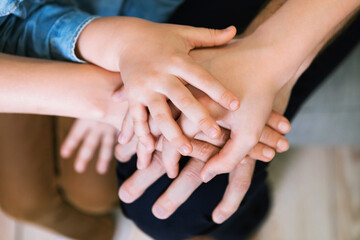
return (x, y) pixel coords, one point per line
(239, 183)
(123, 153)
(273, 139)
(161, 113)
(206, 37)
(73, 139)
(248, 123)
(143, 156)
(200, 78)
(279, 122)
(86, 151)
(227, 159)
(141, 127)
(202, 150)
(262, 152)
(106, 153)
(179, 190)
(170, 157)
(189, 105)
(219, 142)
(127, 130)
(136, 185)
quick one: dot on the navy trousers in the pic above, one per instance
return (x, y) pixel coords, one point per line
(193, 218)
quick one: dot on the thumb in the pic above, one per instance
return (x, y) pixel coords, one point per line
(207, 37)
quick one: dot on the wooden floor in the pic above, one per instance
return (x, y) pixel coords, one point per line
(316, 194)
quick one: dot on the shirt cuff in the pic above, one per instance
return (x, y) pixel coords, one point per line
(65, 33)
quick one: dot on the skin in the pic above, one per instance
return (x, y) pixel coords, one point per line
(88, 135)
(292, 61)
(274, 41)
(225, 64)
(189, 178)
(58, 88)
(166, 67)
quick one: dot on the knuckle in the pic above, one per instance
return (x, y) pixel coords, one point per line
(205, 123)
(212, 32)
(243, 186)
(185, 102)
(205, 150)
(192, 175)
(160, 117)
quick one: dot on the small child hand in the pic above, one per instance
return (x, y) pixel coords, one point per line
(88, 136)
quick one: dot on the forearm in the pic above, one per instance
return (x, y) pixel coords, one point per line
(263, 15)
(50, 87)
(300, 27)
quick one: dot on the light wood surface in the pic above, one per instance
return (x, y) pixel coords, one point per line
(316, 195)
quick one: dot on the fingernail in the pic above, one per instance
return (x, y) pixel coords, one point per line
(283, 126)
(125, 196)
(159, 212)
(185, 149)
(269, 153)
(208, 176)
(213, 132)
(219, 218)
(283, 145)
(234, 105)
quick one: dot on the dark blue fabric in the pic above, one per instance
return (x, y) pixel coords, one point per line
(194, 217)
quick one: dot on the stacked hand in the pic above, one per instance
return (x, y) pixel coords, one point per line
(87, 136)
(269, 140)
(154, 63)
(252, 69)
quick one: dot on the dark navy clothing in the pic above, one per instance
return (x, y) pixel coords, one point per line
(194, 217)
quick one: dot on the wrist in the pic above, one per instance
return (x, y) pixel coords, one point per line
(94, 42)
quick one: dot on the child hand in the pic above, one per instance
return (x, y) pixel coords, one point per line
(154, 64)
(88, 136)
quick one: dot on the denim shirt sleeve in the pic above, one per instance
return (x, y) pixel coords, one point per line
(41, 28)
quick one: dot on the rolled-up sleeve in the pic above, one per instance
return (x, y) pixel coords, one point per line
(44, 29)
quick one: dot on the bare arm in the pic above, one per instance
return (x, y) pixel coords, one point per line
(58, 88)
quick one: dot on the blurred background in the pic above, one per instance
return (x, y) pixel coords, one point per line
(316, 184)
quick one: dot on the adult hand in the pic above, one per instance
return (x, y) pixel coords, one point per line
(189, 178)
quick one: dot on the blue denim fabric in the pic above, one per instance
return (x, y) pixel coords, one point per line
(49, 28)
